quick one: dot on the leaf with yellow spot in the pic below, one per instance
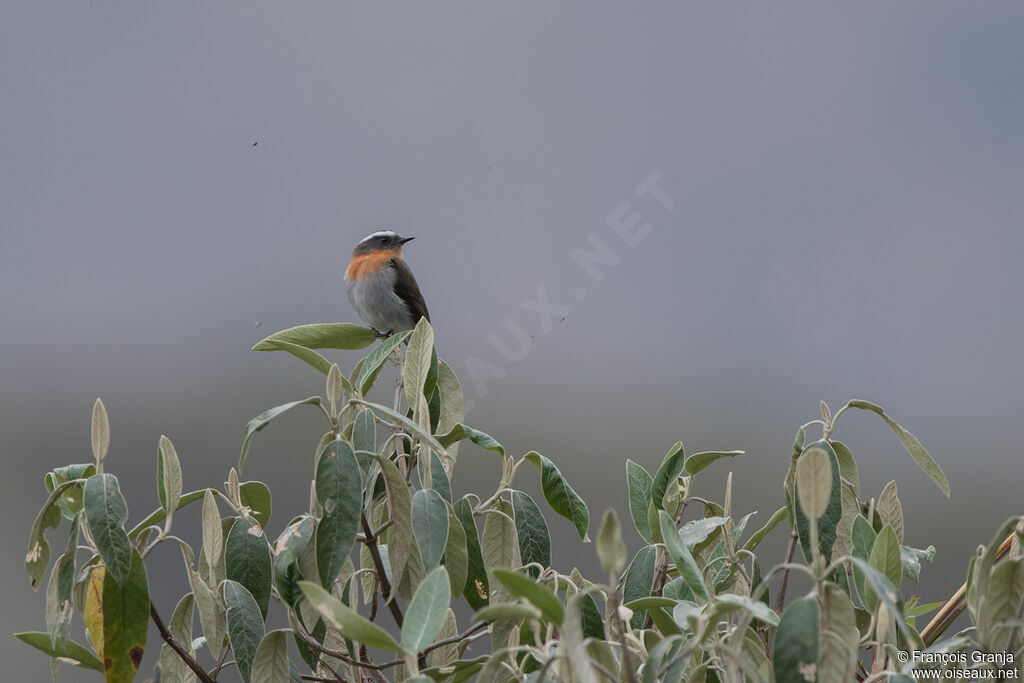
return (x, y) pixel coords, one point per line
(94, 609)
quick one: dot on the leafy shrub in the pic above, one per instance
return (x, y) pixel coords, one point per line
(384, 533)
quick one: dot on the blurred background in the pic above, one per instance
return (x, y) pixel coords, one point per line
(838, 215)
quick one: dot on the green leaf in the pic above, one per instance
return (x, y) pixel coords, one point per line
(100, 431)
(400, 506)
(70, 501)
(814, 481)
(539, 595)
(76, 654)
(255, 495)
(681, 556)
(125, 620)
(417, 363)
(106, 513)
(168, 477)
(430, 526)
(670, 469)
(699, 461)
(293, 540)
(453, 409)
(911, 560)
(263, 419)
(427, 611)
(921, 456)
(404, 421)
(890, 510)
(477, 586)
(456, 556)
(839, 636)
(301, 352)
(247, 560)
(759, 535)
(321, 336)
(364, 437)
(828, 522)
(339, 490)
(245, 626)
(173, 667)
(727, 602)
(37, 559)
(639, 482)
(211, 615)
(887, 594)
(460, 431)
(347, 621)
(369, 369)
(696, 532)
(438, 477)
(847, 465)
(560, 495)
(611, 549)
(650, 601)
(863, 539)
(885, 558)
(532, 532)
(499, 544)
(506, 610)
(213, 534)
(639, 581)
(796, 642)
(270, 663)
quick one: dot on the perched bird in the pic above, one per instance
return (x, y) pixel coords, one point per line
(381, 287)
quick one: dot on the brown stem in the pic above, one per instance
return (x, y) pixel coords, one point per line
(780, 599)
(385, 585)
(220, 663)
(177, 647)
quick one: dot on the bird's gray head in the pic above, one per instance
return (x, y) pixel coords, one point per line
(381, 240)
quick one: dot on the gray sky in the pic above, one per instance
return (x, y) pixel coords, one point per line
(846, 220)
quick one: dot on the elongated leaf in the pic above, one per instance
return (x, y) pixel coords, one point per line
(639, 482)
(173, 667)
(456, 556)
(828, 522)
(796, 642)
(727, 602)
(885, 558)
(125, 620)
(211, 615)
(499, 544)
(37, 559)
(477, 587)
(405, 422)
(839, 636)
(759, 535)
(247, 560)
(427, 611)
(263, 419)
(611, 549)
(814, 482)
(562, 498)
(417, 362)
(76, 654)
(348, 622)
(863, 537)
(364, 438)
(507, 610)
(532, 531)
(639, 581)
(168, 477)
(699, 461)
(670, 469)
(377, 357)
(270, 663)
(321, 336)
(921, 456)
(430, 526)
(245, 626)
(460, 431)
(682, 557)
(453, 409)
(890, 510)
(293, 540)
(106, 513)
(100, 432)
(213, 534)
(439, 480)
(303, 353)
(339, 489)
(400, 506)
(539, 595)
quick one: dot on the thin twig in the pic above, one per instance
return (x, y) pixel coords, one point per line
(178, 647)
(220, 663)
(385, 585)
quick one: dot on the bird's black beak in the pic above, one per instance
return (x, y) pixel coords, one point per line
(406, 239)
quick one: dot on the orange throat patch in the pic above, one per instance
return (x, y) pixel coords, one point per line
(365, 265)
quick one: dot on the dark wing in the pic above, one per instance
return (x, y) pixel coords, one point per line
(408, 291)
